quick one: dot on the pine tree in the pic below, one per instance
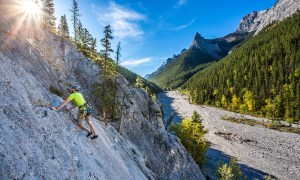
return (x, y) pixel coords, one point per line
(139, 83)
(79, 33)
(48, 17)
(106, 44)
(86, 39)
(191, 135)
(196, 117)
(63, 28)
(224, 102)
(230, 171)
(118, 55)
(235, 102)
(75, 18)
(93, 44)
(225, 172)
(260, 77)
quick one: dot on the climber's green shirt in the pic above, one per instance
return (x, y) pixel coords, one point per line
(77, 98)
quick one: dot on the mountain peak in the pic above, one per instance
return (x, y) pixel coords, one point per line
(198, 41)
(217, 48)
(198, 36)
(256, 21)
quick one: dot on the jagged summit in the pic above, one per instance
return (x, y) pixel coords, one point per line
(198, 37)
(175, 71)
(256, 21)
(207, 50)
(247, 22)
(218, 47)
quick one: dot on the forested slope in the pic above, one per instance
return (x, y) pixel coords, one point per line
(182, 68)
(260, 77)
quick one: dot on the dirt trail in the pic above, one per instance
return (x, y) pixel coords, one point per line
(259, 150)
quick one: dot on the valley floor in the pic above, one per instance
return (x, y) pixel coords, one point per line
(259, 150)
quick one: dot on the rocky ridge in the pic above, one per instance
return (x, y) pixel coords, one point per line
(256, 21)
(218, 47)
(37, 143)
(253, 22)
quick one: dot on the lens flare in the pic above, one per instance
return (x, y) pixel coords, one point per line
(30, 7)
(24, 18)
(26, 13)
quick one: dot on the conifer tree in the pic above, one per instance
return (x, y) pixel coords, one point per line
(63, 28)
(139, 83)
(75, 18)
(259, 77)
(106, 44)
(79, 33)
(196, 117)
(191, 135)
(118, 55)
(48, 17)
(86, 36)
(93, 44)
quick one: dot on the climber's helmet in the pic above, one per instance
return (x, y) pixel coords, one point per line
(76, 87)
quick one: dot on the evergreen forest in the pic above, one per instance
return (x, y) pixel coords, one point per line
(261, 77)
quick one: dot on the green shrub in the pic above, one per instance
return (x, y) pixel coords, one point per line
(191, 133)
(225, 172)
(230, 171)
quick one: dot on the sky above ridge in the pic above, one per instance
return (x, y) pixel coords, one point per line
(150, 31)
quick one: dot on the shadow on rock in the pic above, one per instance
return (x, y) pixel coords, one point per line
(214, 157)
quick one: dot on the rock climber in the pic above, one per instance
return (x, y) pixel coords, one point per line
(83, 112)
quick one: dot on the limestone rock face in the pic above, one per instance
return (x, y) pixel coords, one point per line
(256, 21)
(38, 143)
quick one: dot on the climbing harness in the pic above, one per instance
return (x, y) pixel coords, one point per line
(86, 109)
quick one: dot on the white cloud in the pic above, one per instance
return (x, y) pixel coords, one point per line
(178, 28)
(124, 22)
(136, 62)
(180, 3)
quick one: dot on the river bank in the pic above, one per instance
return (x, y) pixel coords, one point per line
(259, 150)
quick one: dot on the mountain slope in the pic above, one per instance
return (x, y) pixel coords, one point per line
(261, 76)
(131, 77)
(253, 23)
(181, 69)
(202, 53)
(256, 21)
(37, 143)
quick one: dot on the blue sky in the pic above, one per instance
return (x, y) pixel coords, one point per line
(150, 31)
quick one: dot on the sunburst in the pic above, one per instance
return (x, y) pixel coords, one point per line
(30, 8)
(25, 16)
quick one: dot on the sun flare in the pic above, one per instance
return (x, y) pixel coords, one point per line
(30, 7)
(27, 15)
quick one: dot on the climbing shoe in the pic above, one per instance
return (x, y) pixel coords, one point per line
(94, 137)
(89, 133)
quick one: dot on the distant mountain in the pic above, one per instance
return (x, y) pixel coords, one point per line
(218, 47)
(131, 77)
(260, 77)
(202, 52)
(175, 71)
(164, 65)
(256, 21)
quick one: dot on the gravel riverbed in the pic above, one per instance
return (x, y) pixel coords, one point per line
(259, 150)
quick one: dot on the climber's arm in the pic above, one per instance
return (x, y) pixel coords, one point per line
(62, 105)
